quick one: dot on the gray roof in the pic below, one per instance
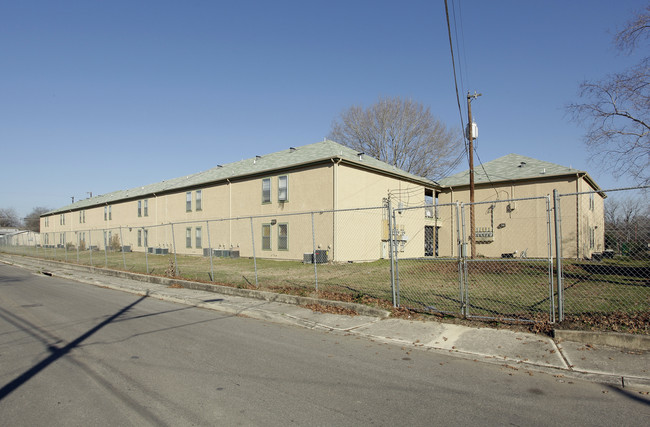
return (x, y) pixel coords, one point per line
(512, 167)
(290, 158)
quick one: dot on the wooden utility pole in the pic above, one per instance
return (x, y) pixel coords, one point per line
(470, 137)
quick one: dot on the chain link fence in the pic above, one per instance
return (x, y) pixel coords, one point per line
(605, 258)
(530, 259)
(504, 271)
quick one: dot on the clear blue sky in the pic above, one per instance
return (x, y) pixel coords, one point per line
(101, 96)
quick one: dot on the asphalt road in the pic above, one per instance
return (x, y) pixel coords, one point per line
(74, 354)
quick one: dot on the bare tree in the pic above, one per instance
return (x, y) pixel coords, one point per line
(9, 218)
(33, 220)
(402, 133)
(616, 110)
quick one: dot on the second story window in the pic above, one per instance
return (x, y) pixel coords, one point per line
(283, 188)
(198, 201)
(139, 209)
(188, 201)
(266, 190)
(146, 207)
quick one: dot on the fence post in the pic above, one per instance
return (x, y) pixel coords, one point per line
(558, 254)
(146, 249)
(122, 244)
(464, 292)
(392, 236)
(207, 226)
(254, 257)
(551, 304)
(390, 248)
(313, 246)
(105, 251)
(176, 272)
(90, 246)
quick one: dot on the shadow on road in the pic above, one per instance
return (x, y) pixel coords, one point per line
(57, 353)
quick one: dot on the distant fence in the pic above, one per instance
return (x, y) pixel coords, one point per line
(528, 259)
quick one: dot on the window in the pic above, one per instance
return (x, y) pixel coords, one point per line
(197, 238)
(83, 216)
(47, 221)
(62, 219)
(146, 207)
(283, 237)
(80, 221)
(188, 237)
(199, 196)
(592, 237)
(266, 190)
(591, 202)
(266, 237)
(139, 238)
(283, 188)
(139, 208)
(110, 213)
(146, 238)
(105, 213)
(188, 201)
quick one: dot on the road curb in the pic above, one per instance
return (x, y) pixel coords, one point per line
(220, 289)
(611, 339)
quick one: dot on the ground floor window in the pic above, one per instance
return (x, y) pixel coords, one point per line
(188, 237)
(283, 237)
(197, 237)
(266, 237)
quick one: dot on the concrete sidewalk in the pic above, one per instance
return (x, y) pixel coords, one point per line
(577, 355)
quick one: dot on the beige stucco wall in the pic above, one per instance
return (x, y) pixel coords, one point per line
(347, 235)
(361, 235)
(525, 228)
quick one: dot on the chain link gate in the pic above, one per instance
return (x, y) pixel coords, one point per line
(510, 276)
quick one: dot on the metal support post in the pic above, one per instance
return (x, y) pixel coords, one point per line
(90, 246)
(390, 247)
(122, 244)
(207, 227)
(146, 250)
(313, 245)
(176, 272)
(393, 232)
(105, 251)
(558, 254)
(550, 260)
(254, 257)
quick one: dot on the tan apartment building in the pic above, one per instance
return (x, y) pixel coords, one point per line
(511, 211)
(260, 206)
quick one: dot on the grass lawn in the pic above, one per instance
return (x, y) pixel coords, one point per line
(494, 288)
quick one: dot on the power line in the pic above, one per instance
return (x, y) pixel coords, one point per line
(485, 172)
(453, 63)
